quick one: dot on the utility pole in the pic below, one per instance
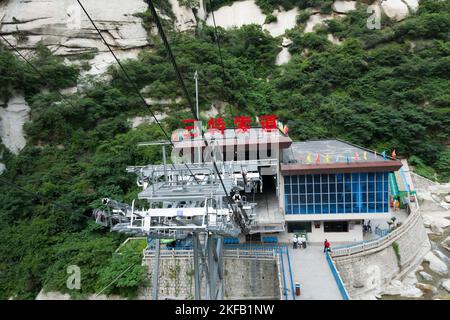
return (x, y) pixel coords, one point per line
(196, 93)
(197, 113)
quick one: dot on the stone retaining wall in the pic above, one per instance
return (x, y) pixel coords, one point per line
(371, 270)
(243, 277)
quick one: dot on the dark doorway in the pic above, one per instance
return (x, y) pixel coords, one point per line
(269, 183)
(256, 237)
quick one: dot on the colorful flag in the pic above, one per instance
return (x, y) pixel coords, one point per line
(384, 154)
(347, 158)
(356, 156)
(309, 158)
(365, 155)
(318, 158)
(337, 158)
(394, 155)
(327, 158)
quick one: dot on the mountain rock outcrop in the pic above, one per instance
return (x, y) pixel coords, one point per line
(63, 27)
(12, 119)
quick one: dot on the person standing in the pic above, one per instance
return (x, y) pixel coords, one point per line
(300, 242)
(326, 246)
(294, 242)
(303, 241)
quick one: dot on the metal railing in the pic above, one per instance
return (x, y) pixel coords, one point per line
(388, 238)
(284, 278)
(381, 232)
(129, 240)
(228, 253)
(337, 278)
(290, 273)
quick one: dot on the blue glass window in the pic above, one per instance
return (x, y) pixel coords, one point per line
(337, 193)
(333, 208)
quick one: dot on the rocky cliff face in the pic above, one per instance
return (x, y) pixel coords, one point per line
(240, 13)
(62, 26)
(12, 118)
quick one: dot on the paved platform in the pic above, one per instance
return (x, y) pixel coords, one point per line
(310, 268)
(399, 214)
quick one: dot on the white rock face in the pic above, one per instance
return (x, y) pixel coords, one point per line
(436, 229)
(436, 264)
(286, 42)
(412, 4)
(333, 39)
(185, 19)
(284, 56)
(343, 6)
(446, 243)
(315, 20)
(442, 222)
(426, 276)
(52, 295)
(12, 120)
(201, 11)
(101, 61)
(162, 102)
(427, 220)
(137, 121)
(410, 279)
(64, 28)
(398, 9)
(440, 188)
(436, 223)
(396, 287)
(440, 255)
(241, 13)
(285, 20)
(446, 284)
(213, 112)
(238, 14)
(428, 288)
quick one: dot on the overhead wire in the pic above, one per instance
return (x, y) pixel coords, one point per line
(187, 96)
(133, 85)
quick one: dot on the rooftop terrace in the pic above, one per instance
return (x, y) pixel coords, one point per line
(331, 156)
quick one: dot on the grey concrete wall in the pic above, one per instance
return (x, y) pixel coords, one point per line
(243, 278)
(371, 270)
(246, 278)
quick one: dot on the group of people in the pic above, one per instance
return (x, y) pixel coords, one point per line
(299, 242)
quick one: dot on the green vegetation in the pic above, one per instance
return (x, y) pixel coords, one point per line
(396, 249)
(189, 3)
(267, 6)
(270, 18)
(383, 89)
(124, 274)
(303, 16)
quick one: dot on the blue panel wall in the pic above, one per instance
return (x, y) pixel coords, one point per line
(337, 193)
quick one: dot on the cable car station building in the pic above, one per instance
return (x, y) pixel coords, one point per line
(324, 188)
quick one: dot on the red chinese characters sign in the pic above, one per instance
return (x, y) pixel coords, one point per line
(242, 124)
